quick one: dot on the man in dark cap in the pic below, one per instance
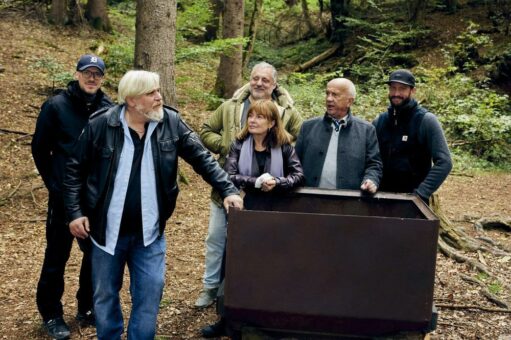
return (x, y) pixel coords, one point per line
(410, 139)
(60, 122)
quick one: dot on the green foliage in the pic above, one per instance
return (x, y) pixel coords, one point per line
(119, 58)
(193, 16)
(215, 47)
(495, 288)
(477, 120)
(54, 70)
(288, 55)
(385, 43)
(464, 53)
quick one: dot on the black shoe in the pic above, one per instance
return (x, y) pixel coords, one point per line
(215, 330)
(57, 328)
(86, 319)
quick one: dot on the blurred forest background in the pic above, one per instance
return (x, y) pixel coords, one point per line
(460, 51)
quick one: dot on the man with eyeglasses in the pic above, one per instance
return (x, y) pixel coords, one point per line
(59, 124)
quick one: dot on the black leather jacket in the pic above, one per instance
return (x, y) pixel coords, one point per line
(91, 170)
(59, 124)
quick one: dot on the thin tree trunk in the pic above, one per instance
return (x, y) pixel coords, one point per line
(58, 14)
(228, 77)
(339, 9)
(213, 26)
(252, 30)
(76, 12)
(155, 41)
(416, 9)
(451, 5)
(306, 15)
(97, 14)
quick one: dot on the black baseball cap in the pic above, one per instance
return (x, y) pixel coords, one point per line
(90, 60)
(402, 76)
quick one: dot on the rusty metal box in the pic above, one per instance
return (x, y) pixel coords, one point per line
(332, 261)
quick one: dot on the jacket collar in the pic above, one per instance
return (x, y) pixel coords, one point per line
(403, 110)
(280, 95)
(77, 94)
(329, 120)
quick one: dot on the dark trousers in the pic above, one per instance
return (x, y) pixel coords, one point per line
(58, 248)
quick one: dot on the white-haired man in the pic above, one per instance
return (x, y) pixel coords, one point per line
(339, 150)
(217, 134)
(120, 189)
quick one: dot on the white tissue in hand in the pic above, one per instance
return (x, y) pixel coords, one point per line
(261, 179)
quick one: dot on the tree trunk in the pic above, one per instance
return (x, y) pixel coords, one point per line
(58, 14)
(451, 5)
(228, 77)
(76, 12)
(212, 27)
(416, 9)
(252, 30)
(339, 9)
(97, 14)
(155, 41)
(307, 17)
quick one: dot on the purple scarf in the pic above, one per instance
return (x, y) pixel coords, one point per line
(247, 156)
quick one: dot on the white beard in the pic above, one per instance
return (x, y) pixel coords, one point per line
(155, 116)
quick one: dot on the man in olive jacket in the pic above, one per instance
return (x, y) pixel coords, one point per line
(217, 134)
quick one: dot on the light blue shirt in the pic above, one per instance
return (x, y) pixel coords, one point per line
(149, 200)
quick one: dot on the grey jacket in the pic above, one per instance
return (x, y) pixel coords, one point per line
(358, 156)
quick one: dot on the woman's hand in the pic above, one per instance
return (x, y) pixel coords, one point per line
(269, 184)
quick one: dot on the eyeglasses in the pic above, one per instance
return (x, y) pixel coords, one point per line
(88, 74)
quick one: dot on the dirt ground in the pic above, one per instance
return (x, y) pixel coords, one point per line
(464, 197)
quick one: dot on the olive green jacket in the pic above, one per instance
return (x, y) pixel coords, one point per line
(220, 130)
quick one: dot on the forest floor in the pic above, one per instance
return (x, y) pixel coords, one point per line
(465, 197)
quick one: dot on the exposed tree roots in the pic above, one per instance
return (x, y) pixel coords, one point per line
(453, 241)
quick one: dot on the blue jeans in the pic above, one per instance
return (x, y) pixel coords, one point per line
(215, 245)
(147, 276)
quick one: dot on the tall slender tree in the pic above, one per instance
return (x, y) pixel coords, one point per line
(252, 30)
(155, 41)
(339, 9)
(97, 14)
(212, 27)
(229, 71)
(58, 13)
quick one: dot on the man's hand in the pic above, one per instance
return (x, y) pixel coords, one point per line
(80, 227)
(369, 186)
(233, 201)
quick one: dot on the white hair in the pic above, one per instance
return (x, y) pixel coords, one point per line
(345, 85)
(137, 82)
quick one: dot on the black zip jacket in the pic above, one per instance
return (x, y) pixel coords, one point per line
(410, 139)
(91, 170)
(59, 124)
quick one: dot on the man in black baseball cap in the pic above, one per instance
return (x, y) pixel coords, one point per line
(410, 139)
(59, 124)
(90, 60)
(402, 76)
